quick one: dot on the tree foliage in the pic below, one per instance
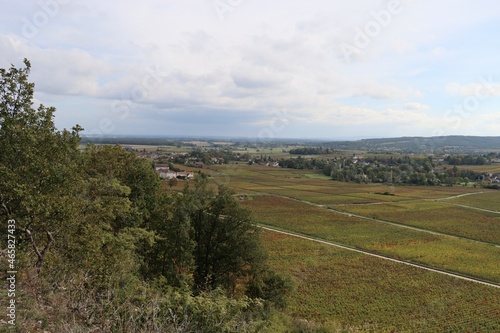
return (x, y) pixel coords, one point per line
(37, 164)
(112, 251)
(207, 240)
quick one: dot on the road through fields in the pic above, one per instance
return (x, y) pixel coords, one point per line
(455, 275)
(399, 225)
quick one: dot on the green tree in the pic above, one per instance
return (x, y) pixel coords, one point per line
(205, 239)
(93, 219)
(226, 240)
(114, 162)
(78, 217)
(428, 166)
(327, 170)
(171, 256)
(38, 171)
(271, 287)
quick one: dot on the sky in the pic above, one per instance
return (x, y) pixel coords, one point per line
(318, 69)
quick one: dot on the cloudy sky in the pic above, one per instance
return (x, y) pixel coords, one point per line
(309, 69)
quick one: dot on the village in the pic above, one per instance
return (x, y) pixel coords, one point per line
(431, 170)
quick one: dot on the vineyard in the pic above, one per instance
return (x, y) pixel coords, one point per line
(455, 254)
(441, 227)
(454, 220)
(351, 292)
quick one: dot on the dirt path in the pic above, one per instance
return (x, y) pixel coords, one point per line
(399, 225)
(466, 206)
(460, 195)
(409, 200)
(472, 207)
(321, 241)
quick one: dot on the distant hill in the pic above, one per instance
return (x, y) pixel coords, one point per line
(452, 143)
(437, 144)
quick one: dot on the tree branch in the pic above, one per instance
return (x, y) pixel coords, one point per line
(39, 254)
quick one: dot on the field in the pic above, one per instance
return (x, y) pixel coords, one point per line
(300, 185)
(489, 200)
(449, 228)
(351, 292)
(418, 224)
(456, 229)
(492, 168)
(454, 254)
(437, 216)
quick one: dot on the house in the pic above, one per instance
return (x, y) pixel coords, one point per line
(179, 175)
(161, 167)
(168, 174)
(494, 178)
(185, 175)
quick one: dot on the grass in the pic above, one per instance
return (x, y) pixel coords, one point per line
(360, 293)
(352, 292)
(298, 184)
(448, 253)
(491, 168)
(487, 200)
(437, 216)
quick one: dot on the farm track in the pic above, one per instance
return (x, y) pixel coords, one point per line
(422, 199)
(408, 199)
(466, 206)
(471, 207)
(399, 225)
(287, 187)
(380, 256)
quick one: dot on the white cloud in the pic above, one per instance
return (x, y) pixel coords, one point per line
(484, 89)
(170, 56)
(416, 106)
(380, 91)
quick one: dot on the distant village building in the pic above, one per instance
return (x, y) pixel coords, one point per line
(168, 174)
(494, 178)
(161, 167)
(164, 172)
(185, 175)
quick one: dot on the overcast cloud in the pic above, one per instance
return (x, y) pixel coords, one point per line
(315, 69)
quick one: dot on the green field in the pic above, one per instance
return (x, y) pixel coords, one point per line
(299, 184)
(351, 292)
(492, 168)
(454, 254)
(488, 200)
(292, 200)
(437, 216)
